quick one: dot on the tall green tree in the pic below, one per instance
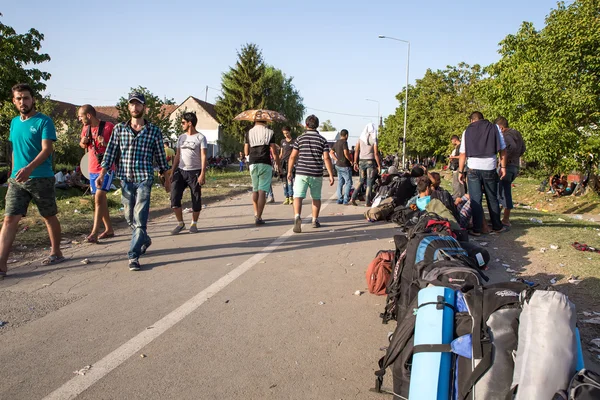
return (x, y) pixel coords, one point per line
(155, 110)
(18, 53)
(327, 126)
(438, 106)
(546, 84)
(252, 84)
(243, 88)
(282, 96)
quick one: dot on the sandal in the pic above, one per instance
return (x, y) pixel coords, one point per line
(106, 235)
(91, 239)
(52, 259)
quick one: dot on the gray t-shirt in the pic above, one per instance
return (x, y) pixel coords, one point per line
(190, 149)
(366, 149)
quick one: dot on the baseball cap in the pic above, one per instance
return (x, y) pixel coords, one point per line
(137, 96)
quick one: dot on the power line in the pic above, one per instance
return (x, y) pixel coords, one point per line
(338, 113)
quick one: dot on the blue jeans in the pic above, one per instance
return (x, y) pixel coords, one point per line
(479, 182)
(344, 178)
(505, 187)
(367, 177)
(136, 204)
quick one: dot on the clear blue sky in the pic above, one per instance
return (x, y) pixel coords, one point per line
(175, 48)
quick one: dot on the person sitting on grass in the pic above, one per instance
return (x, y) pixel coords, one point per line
(425, 202)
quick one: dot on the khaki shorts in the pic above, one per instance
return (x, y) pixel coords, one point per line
(40, 190)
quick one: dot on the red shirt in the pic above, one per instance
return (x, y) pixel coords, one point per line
(93, 166)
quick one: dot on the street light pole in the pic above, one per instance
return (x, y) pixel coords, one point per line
(378, 113)
(406, 95)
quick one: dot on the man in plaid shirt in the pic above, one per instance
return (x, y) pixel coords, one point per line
(138, 142)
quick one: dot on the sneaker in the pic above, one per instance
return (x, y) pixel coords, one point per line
(134, 265)
(316, 223)
(271, 200)
(291, 200)
(353, 202)
(258, 221)
(298, 225)
(146, 245)
(177, 229)
(340, 201)
(345, 203)
(501, 230)
(193, 228)
(286, 201)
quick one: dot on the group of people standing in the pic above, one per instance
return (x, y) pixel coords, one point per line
(487, 159)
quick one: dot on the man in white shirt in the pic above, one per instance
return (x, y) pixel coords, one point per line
(189, 171)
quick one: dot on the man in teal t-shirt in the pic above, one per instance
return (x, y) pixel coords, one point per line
(32, 135)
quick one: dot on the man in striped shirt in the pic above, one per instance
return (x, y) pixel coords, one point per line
(310, 150)
(138, 142)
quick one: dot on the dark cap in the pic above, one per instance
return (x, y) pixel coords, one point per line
(137, 96)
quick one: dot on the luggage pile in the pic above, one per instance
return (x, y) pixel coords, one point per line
(458, 337)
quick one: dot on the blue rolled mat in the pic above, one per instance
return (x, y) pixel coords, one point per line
(430, 374)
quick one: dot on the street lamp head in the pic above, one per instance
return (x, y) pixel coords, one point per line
(381, 37)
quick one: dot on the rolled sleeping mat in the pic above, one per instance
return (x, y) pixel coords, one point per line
(432, 363)
(547, 351)
(580, 363)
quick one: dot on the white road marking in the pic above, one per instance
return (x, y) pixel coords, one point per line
(100, 369)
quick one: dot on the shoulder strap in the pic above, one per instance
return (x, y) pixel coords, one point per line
(100, 132)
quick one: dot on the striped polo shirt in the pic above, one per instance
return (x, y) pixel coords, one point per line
(311, 146)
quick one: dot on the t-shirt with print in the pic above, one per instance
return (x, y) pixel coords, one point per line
(339, 148)
(26, 138)
(287, 148)
(311, 146)
(170, 153)
(260, 139)
(93, 165)
(190, 151)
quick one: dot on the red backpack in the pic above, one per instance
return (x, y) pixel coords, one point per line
(379, 272)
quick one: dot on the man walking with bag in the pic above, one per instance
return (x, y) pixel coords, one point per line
(138, 142)
(95, 136)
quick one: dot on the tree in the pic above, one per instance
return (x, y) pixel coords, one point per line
(546, 84)
(250, 85)
(438, 106)
(327, 126)
(18, 52)
(155, 111)
(243, 89)
(284, 98)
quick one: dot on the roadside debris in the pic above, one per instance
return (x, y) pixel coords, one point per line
(536, 221)
(321, 303)
(143, 355)
(574, 280)
(3, 323)
(595, 320)
(83, 370)
(553, 281)
(561, 220)
(85, 261)
(358, 293)
(543, 250)
(12, 261)
(510, 270)
(554, 247)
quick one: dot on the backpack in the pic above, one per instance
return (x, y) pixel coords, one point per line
(486, 331)
(428, 255)
(585, 385)
(379, 271)
(403, 216)
(380, 212)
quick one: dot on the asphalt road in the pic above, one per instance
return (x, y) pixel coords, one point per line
(234, 311)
